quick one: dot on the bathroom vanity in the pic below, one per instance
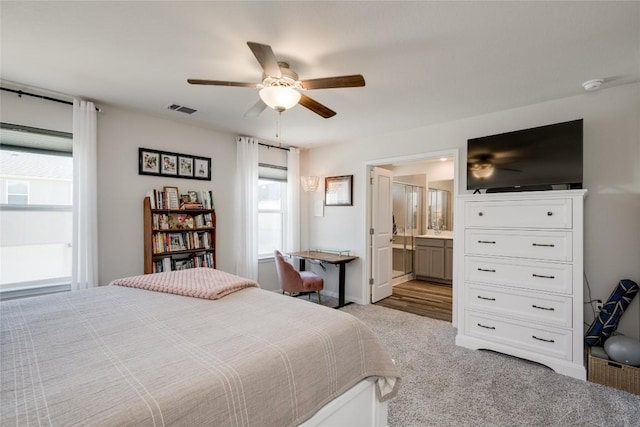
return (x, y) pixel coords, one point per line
(434, 257)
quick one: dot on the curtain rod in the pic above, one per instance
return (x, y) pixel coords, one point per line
(273, 146)
(48, 98)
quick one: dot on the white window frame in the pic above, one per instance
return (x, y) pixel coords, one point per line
(51, 284)
(282, 211)
(9, 193)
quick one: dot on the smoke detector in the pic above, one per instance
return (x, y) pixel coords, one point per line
(594, 84)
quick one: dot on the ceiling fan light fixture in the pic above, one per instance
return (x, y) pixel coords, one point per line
(482, 170)
(280, 98)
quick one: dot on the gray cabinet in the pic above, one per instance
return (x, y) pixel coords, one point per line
(448, 260)
(433, 259)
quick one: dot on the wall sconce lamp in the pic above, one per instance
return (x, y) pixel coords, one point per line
(309, 183)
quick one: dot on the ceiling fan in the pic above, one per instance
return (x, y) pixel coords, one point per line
(280, 86)
(483, 165)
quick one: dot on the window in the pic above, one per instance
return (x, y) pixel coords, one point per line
(272, 200)
(271, 216)
(36, 177)
(17, 192)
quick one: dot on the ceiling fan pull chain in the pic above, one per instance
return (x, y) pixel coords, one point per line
(279, 131)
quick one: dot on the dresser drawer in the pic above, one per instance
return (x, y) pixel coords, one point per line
(543, 245)
(532, 275)
(519, 213)
(539, 339)
(540, 308)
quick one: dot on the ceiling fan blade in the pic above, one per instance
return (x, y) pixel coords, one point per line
(255, 111)
(316, 107)
(266, 58)
(355, 80)
(220, 83)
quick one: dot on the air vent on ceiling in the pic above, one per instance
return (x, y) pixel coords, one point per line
(182, 109)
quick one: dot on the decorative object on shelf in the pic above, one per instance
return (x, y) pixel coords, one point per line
(173, 200)
(309, 183)
(338, 190)
(175, 165)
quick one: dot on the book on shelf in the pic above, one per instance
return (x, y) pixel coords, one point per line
(203, 199)
(194, 261)
(181, 241)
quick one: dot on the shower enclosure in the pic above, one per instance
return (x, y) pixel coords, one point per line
(408, 220)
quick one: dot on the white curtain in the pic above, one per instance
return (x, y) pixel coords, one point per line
(292, 227)
(247, 207)
(84, 264)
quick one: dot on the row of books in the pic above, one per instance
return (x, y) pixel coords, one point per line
(171, 242)
(174, 221)
(195, 261)
(170, 198)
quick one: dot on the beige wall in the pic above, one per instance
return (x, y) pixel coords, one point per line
(121, 190)
(611, 174)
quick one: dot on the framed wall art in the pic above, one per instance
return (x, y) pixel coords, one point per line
(185, 166)
(168, 164)
(338, 190)
(173, 165)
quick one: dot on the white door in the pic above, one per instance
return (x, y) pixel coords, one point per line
(382, 225)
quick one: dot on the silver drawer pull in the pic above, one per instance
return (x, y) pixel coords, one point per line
(488, 270)
(485, 298)
(491, 242)
(549, 213)
(544, 245)
(544, 308)
(541, 339)
(486, 327)
(543, 277)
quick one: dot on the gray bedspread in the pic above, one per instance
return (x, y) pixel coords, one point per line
(115, 356)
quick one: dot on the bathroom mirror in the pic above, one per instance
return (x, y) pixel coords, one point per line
(439, 207)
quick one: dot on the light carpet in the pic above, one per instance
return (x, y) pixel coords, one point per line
(446, 385)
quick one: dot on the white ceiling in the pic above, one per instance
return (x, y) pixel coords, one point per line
(423, 62)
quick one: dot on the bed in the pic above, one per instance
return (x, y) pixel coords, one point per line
(121, 355)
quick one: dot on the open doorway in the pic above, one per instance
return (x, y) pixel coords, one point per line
(420, 262)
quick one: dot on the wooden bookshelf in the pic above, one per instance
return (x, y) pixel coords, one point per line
(178, 238)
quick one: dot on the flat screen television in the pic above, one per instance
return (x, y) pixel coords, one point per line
(542, 158)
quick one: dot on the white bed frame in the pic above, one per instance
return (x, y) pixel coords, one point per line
(357, 407)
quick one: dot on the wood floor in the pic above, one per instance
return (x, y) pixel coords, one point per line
(424, 298)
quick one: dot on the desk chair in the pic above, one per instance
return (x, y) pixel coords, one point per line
(292, 280)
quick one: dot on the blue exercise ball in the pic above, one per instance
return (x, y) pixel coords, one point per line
(623, 349)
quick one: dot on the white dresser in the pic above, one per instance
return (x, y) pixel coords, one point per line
(521, 288)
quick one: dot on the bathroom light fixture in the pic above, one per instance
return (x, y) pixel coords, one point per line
(280, 98)
(309, 183)
(591, 85)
